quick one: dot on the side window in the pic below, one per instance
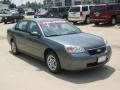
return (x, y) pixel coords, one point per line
(85, 8)
(110, 7)
(22, 26)
(33, 27)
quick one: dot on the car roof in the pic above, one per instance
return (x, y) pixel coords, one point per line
(82, 5)
(45, 19)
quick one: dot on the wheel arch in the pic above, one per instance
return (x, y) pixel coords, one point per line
(49, 50)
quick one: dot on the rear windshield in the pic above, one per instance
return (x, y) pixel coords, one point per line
(74, 9)
(98, 9)
(53, 10)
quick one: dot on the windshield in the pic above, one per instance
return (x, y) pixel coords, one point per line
(99, 9)
(74, 9)
(59, 28)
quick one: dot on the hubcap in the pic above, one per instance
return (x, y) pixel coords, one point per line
(113, 21)
(51, 61)
(13, 47)
(88, 20)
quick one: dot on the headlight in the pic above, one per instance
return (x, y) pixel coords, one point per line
(74, 49)
(106, 42)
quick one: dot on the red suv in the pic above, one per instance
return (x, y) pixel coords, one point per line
(105, 13)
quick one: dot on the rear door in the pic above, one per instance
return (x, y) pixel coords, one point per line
(20, 35)
(74, 12)
(85, 11)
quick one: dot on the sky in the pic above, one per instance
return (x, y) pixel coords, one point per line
(19, 2)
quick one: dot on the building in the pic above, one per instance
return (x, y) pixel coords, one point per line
(3, 6)
(106, 1)
(53, 3)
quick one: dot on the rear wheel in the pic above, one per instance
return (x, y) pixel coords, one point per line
(5, 22)
(14, 49)
(52, 62)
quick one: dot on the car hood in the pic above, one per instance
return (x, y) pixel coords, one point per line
(83, 40)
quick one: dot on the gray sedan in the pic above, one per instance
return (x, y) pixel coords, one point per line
(59, 44)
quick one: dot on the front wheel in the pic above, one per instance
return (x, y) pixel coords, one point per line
(14, 49)
(87, 20)
(52, 62)
(113, 21)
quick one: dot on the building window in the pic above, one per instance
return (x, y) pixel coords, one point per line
(68, 3)
(58, 4)
(77, 2)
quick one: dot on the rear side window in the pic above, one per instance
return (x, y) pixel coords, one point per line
(99, 9)
(61, 9)
(74, 9)
(22, 26)
(85, 8)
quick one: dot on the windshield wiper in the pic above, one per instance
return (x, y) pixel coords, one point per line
(70, 33)
(54, 35)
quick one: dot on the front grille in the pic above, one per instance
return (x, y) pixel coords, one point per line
(96, 50)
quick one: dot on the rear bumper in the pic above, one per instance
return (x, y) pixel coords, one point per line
(76, 19)
(99, 20)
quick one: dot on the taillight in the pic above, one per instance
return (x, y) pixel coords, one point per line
(81, 14)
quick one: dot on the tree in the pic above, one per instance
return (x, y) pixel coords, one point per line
(6, 2)
(12, 5)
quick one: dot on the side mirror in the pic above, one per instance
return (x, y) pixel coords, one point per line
(34, 33)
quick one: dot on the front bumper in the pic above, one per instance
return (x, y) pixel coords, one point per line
(83, 60)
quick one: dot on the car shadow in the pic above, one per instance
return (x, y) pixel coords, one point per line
(104, 25)
(76, 77)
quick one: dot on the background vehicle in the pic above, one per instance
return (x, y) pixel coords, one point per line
(40, 13)
(105, 13)
(21, 11)
(12, 17)
(59, 44)
(30, 12)
(79, 13)
(58, 12)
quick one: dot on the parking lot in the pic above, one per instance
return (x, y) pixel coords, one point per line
(25, 73)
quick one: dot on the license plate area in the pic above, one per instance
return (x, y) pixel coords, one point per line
(102, 59)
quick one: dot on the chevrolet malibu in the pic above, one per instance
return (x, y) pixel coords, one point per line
(59, 44)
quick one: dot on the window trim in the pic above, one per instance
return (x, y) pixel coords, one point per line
(18, 29)
(36, 24)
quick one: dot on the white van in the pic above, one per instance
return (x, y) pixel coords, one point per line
(79, 13)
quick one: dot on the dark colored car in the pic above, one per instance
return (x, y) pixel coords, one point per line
(58, 43)
(21, 11)
(58, 12)
(30, 12)
(12, 17)
(105, 13)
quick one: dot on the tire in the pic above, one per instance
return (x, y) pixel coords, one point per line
(52, 62)
(87, 20)
(14, 49)
(113, 21)
(5, 22)
(96, 24)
